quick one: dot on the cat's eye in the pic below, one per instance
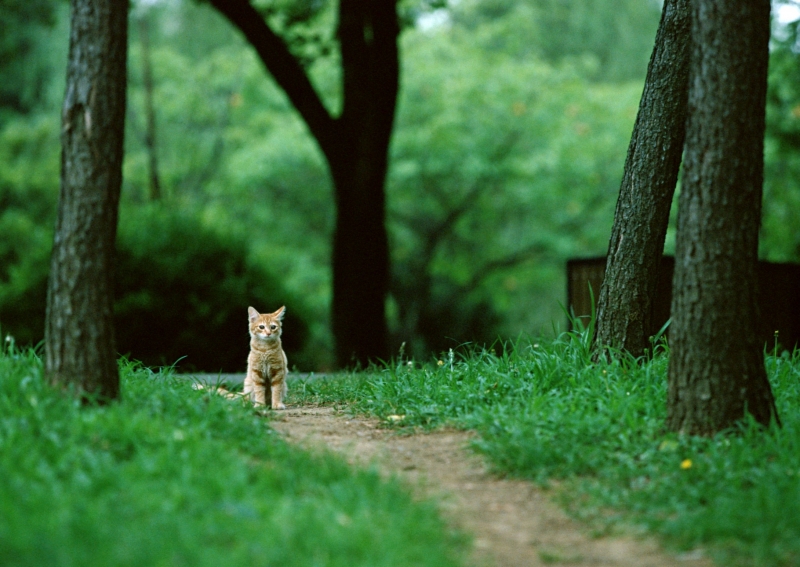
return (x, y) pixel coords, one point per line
(273, 326)
(261, 327)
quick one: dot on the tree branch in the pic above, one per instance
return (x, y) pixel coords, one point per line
(282, 65)
(509, 261)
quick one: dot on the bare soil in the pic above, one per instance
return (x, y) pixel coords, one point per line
(513, 522)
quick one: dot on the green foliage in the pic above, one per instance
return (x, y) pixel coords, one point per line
(307, 26)
(174, 476)
(181, 288)
(182, 291)
(484, 207)
(28, 194)
(613, 43)
(780, 235)
(545, 411)
(28, 29)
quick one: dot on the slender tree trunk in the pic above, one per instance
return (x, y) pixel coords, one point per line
(716, 371)
(79, 330)
(149, 109)
(625, 305)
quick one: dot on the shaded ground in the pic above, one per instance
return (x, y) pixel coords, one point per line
(513, 522)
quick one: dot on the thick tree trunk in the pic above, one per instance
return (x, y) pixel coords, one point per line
(79, 331)
(358, 160)
(625, 305)
(716, 371)
(360, 268)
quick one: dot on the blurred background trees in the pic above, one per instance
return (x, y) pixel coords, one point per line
(26, 70)
(512, 127)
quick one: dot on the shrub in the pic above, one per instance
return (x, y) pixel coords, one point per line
(182, 290)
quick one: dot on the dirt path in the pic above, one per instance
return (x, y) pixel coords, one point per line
(513, 522)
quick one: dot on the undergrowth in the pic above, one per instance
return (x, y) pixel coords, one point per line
(174, 476)
(545, 411)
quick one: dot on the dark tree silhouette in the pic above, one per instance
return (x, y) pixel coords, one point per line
(716, 371)
(625, 304)
(79, 330)
(355, 144)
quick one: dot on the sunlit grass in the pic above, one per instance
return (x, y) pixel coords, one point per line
(173, 476)
(545, 411)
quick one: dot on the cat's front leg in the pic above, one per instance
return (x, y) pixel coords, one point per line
(278, 391)
(260, 395)
(254, 388)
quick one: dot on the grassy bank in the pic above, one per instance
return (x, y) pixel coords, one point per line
(173, 476)
(544, 411)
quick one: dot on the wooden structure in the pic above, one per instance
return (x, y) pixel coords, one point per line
(778, 297)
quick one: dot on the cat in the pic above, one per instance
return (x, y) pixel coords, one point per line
(266, 364)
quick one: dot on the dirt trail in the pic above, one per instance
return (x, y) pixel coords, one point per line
(513, 522)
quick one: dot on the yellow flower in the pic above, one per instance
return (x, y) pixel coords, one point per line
(440, 363)
(686, 464)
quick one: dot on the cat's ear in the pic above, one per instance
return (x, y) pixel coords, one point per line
(280, 313)
(252, 313)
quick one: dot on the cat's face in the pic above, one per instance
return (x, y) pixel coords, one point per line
(265, 326)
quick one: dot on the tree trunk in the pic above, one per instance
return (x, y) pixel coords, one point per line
(360, 268)
(716, 370)
(79, 330)
(625, 305)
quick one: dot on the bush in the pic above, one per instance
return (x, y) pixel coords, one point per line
(182, 290)
(29, 152)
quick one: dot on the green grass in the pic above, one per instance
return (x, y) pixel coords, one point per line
(545, 411)
(173, 476)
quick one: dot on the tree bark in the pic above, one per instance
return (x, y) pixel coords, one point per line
(79, 330)
(716, 371)
(356, 147)
(625, 304)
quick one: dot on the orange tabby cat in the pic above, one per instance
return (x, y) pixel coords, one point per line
(266, 365)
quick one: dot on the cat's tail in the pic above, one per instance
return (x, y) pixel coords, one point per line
(222, 390)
